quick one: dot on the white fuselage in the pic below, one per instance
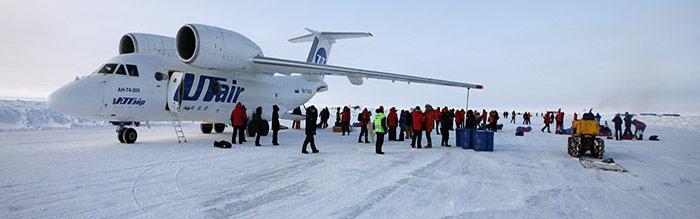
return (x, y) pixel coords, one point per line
(124, 98)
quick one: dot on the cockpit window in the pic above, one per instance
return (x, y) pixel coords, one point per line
(120, 70)
(108, 68)
(133, 71)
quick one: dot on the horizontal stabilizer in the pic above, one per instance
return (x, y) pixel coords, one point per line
(329, 35)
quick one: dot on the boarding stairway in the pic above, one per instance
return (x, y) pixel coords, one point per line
(177, 125)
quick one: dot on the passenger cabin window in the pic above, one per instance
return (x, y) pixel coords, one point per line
(133, 71)
(108, 68)
(120, 70)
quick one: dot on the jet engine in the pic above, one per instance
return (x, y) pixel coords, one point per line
(147, 43)
(211, 47)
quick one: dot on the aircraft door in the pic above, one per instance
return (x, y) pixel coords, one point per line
(175, 92)
(103, 86)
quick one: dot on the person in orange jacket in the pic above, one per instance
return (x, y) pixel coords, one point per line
(345, 120)
(429, 124)
(458, 118)
(363, 118)
(417, 120)
(393, 122)
(238, 120)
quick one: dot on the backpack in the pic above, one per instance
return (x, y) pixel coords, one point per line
(222, 144)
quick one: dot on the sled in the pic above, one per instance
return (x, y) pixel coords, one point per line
(607, 164)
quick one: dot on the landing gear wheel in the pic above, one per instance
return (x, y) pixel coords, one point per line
(130, 135)
(219, 127)
(206, 127)
(120, 135)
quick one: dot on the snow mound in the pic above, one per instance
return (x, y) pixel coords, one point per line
(36, 115)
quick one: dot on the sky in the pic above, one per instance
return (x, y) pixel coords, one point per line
(613, 56)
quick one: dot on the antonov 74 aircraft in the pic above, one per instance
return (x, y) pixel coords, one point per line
(201, 74)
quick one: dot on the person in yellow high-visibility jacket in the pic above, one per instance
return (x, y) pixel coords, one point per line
(380, 128)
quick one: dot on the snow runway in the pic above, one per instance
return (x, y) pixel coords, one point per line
(86, 173)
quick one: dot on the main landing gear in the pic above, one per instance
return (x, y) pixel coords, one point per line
(208, 127)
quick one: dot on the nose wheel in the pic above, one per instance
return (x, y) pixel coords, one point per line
(126, 135)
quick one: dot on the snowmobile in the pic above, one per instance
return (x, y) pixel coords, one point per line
(585, 138)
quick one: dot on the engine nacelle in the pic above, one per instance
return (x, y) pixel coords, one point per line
(147, 43)
(215, 48)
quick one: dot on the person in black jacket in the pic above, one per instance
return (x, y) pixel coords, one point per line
(257, 125)
(275, 124)
(446, 120)
(325, 115)
(618, 127)
(470, 121)
(311, 116)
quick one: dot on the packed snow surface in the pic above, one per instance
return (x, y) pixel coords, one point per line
(32, 115)
(86, 173)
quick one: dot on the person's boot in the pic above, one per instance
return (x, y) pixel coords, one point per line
(304, 152)
(380, 152)
(314, 151)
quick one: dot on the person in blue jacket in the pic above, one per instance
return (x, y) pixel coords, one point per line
(402, 123)
(628, 124)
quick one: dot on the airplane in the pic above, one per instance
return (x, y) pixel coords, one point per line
(201, 74)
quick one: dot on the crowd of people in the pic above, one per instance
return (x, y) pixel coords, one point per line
(400, 125)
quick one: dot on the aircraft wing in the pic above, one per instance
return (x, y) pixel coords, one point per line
(283, 66)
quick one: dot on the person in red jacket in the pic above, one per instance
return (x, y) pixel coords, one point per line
(429, 124)
(393, 122)
(345, 120)
(547, 121)
(484, 117)
(418, 119)
(363, 119)
(238, 120)
(459, 118)
(560, 121)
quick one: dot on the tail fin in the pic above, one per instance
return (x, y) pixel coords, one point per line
(322, 42)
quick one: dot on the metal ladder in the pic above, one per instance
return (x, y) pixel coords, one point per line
(178, 130)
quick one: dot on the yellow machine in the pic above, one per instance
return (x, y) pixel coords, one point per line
(584, 139)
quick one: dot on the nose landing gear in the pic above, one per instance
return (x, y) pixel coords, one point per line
(126, 135)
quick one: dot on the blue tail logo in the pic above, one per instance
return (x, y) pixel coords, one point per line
(320, 57)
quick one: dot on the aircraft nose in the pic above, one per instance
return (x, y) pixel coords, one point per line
(79, 98)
